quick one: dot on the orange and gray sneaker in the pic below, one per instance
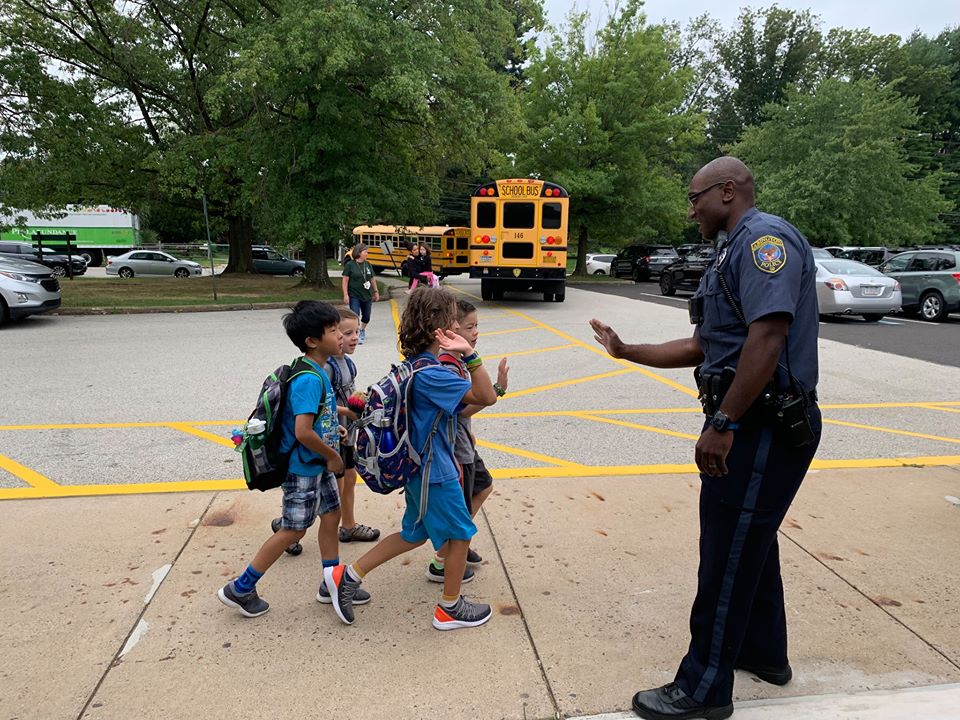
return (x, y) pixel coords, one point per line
(462, 614)
(343, 589)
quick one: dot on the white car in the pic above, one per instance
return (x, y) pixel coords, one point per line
(151, 262)
(848, 287)
(26, 288)
(598, 264)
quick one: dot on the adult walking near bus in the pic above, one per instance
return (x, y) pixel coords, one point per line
(360, 289)
(755, 343)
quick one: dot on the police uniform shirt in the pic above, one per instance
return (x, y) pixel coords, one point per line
(769, 268)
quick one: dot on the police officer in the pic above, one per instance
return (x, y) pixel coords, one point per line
(755, 342)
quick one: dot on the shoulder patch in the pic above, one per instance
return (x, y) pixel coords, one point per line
(769, 254)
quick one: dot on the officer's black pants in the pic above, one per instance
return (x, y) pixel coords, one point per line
(738, 615)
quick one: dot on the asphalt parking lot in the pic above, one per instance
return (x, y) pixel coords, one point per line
(122, 487)
(901, 334)
(145, 403)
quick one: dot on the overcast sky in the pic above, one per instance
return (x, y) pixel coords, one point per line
(881, 16)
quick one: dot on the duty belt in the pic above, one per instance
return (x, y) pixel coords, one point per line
(713, 388)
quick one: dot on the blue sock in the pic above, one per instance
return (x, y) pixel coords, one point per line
(248, 581)
(331, 563)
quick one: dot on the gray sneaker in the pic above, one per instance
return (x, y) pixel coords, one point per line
(342, 590)
(462, 615)
(323, 595)
(437, 574)
(361, 532)
(250, 605)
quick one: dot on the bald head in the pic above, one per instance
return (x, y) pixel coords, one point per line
(727, 168)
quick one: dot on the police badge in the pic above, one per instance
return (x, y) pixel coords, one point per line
(769, 254)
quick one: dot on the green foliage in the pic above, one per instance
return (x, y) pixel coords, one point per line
(834, 164)
(606, 123)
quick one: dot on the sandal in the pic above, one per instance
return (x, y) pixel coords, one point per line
(360, 532)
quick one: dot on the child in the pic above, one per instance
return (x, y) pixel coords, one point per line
(423, 270)
(342, 373)
(310, 433)
(477, 481)
(428, 325)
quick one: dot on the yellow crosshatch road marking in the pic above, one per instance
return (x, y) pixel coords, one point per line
(635, 426)
(30, 477)
(892, 431)
(528, 352)
(507, 332)
(928, 406)
(564, 383)
(530, 455)
(190, 430)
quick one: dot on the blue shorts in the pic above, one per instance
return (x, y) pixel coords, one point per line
(446, 518)
(306, 497)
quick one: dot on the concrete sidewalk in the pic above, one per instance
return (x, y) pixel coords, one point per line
(110, 610)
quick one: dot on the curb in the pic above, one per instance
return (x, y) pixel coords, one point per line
(286, 305)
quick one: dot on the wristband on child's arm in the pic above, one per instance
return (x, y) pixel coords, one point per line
(499, 389)
(472, 361)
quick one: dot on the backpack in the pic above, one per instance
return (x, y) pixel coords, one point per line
(385, 456)
(271, 403)
(340, 384)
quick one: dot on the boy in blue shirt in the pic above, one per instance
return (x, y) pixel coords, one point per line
(310, 433)
(429, 324)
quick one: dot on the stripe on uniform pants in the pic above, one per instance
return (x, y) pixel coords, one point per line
(733, 563)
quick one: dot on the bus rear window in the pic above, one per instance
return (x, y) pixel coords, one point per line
(518, 215)
(552, 215)
(487, 214)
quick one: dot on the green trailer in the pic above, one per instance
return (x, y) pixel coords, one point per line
(101, 231)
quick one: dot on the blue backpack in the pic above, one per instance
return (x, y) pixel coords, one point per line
(341, 384)
(385, 456)
(271, 404)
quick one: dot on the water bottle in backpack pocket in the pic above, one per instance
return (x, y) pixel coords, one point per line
(264, 465)
(385, 457)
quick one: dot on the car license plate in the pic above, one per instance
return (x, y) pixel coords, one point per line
(871, 290)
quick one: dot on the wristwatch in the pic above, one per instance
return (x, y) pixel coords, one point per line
(721, 423)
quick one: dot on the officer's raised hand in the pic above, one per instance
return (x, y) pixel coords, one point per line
(712, 450)
(605, 335)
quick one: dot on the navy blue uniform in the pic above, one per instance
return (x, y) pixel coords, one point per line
(738, 615)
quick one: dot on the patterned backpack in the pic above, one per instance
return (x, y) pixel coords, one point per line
(385, 456)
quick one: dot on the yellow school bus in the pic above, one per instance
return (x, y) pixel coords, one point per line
(518, 238)
(449, 246)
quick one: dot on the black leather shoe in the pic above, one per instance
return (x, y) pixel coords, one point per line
(671, 703)
(774, 676)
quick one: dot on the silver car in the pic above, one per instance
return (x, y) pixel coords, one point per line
(151, 262)
(848, 287)
(26, 288)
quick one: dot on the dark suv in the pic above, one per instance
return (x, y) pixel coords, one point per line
(685, 274)
(51, 258)
(642, 262)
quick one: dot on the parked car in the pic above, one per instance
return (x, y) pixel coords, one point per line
(268, 261)
(150, 262)
(54, 260)
(692, 249)
(642, 262)
(821, 253)
(848, 287)
(26, 288)
(686, 273)
(598, 264)
(834, 250)
(873, 256)
(930, 280)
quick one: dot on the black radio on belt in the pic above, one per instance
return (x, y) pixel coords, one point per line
(695, 307)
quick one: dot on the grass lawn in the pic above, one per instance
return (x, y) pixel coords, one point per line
(114, 292)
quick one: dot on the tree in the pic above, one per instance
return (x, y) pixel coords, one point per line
(766, 52)
(360, 111)
(606, 123)
(115, 102)
(833, 162)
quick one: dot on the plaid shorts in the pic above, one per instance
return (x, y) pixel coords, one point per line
(306, 497)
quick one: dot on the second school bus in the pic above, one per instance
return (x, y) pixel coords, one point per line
(518, 238)
(447, 245)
